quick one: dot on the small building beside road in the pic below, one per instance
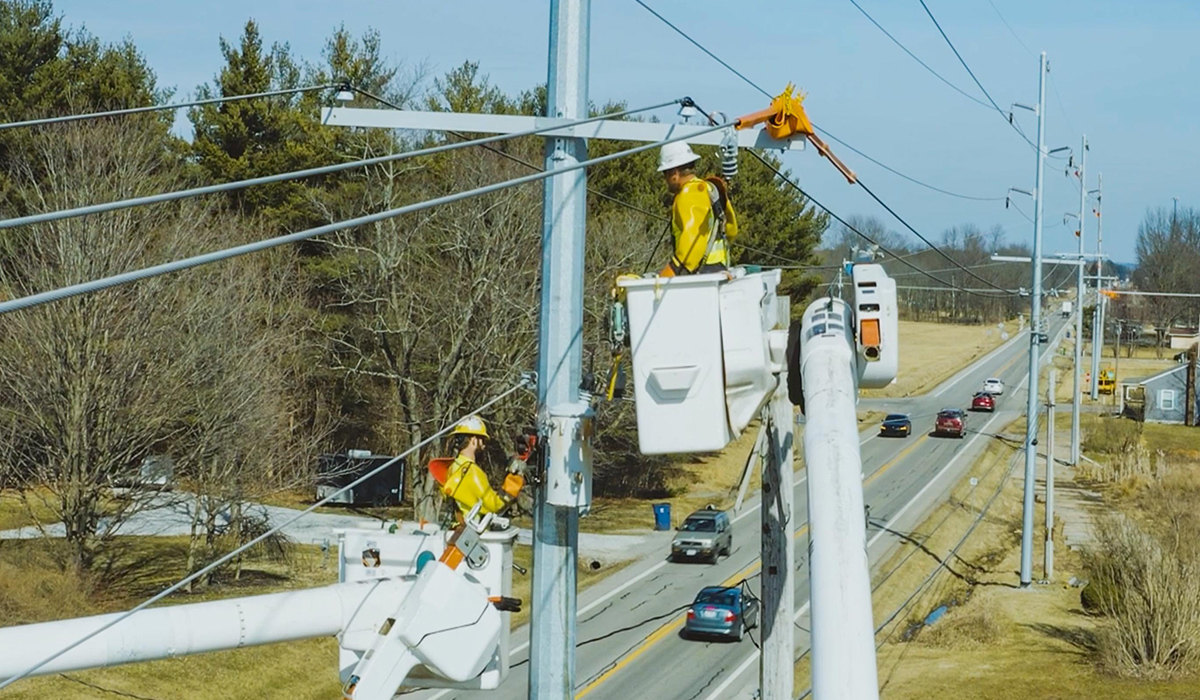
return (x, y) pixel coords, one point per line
(1158, 398)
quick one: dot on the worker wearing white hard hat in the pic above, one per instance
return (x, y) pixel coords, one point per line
(702, 218)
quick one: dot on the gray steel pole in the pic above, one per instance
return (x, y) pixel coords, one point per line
(560, 352)
(777, 662)
(1048, 563)
(1035, 315)
(1101, 300)
(1077, 391)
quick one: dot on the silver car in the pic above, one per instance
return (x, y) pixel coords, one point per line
(705, 535)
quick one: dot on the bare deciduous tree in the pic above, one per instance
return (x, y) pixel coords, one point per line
(87, 385)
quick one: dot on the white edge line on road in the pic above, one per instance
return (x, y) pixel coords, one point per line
(975, 365)
(804, 608)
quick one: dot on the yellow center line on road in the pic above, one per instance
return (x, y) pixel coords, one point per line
(665, 630)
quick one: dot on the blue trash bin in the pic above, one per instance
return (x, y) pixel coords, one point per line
(662, 516)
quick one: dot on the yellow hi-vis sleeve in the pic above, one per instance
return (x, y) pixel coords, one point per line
(468, 485)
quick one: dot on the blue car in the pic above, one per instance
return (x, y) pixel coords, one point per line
(721, 612)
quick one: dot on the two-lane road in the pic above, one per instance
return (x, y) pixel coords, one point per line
(628, 629)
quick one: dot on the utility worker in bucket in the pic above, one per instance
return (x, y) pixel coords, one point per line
(466, 482)
(702, 218)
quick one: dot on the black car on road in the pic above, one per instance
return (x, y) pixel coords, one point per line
(895, 425)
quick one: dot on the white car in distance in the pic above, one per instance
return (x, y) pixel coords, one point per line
(993, 386)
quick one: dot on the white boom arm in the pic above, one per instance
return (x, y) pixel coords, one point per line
(841, 347)
(439, 619)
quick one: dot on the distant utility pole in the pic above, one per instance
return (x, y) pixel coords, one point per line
(1048, 562)
(1035, 315)
(1189, 408)
(1077, 390)
(1101, 300)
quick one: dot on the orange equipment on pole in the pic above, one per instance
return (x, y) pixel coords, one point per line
(785, 118)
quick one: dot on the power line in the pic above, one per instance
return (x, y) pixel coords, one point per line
(954, 269)
(1010, 29)
(159, 108)
(296, 174)
(522, 161)
(914, 57)
(205, 258)
(923, 238)
(862, 235)
(972, 74)
(911, 179)
(758, 87)
(524, 383)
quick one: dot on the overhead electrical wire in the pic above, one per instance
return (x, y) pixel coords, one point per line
(162, 108)
(298, 174)
(264, 244)
(862, 235)
(859, 182)
(911, 179)
(970, 72)
(524, 383)
(914, 57)
(758, 87)
(1010, 29)
(602, 195)
(927, 242)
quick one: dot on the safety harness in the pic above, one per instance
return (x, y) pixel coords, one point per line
(718, 195)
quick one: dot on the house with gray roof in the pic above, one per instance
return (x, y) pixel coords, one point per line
(1159, 398)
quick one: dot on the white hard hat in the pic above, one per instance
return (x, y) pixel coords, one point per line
(674, 155)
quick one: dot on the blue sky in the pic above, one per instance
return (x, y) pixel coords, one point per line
(1124, 73)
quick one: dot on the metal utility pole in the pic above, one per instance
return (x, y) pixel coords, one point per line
(1048, 563)
(1101, 300)
(1077, 391)
(777, 661)
(1035, 315)
(560, 357)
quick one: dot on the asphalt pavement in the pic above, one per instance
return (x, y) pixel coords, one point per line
(628, 626)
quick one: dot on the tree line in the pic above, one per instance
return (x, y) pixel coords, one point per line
(242, 372)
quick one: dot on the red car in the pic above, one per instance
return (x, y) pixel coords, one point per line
(951, 421)
(983, 401)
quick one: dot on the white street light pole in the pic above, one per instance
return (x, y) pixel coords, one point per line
(1048, 562)
(1077, 390)
(1035, 315)
(1101, 300)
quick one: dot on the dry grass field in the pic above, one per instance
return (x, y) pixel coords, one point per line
(931, 353)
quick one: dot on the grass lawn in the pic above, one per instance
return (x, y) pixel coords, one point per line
(16, 512)
(998, 641)
(33, 589)
(931, 353)
(702, 480)
(1144, 363)
(896, 578)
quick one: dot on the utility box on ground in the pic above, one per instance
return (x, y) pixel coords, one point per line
(335, 471)
(701, 360)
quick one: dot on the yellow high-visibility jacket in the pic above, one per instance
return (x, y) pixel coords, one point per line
(693, 223)
(467, 485)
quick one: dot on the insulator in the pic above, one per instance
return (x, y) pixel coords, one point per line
(729, 155)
